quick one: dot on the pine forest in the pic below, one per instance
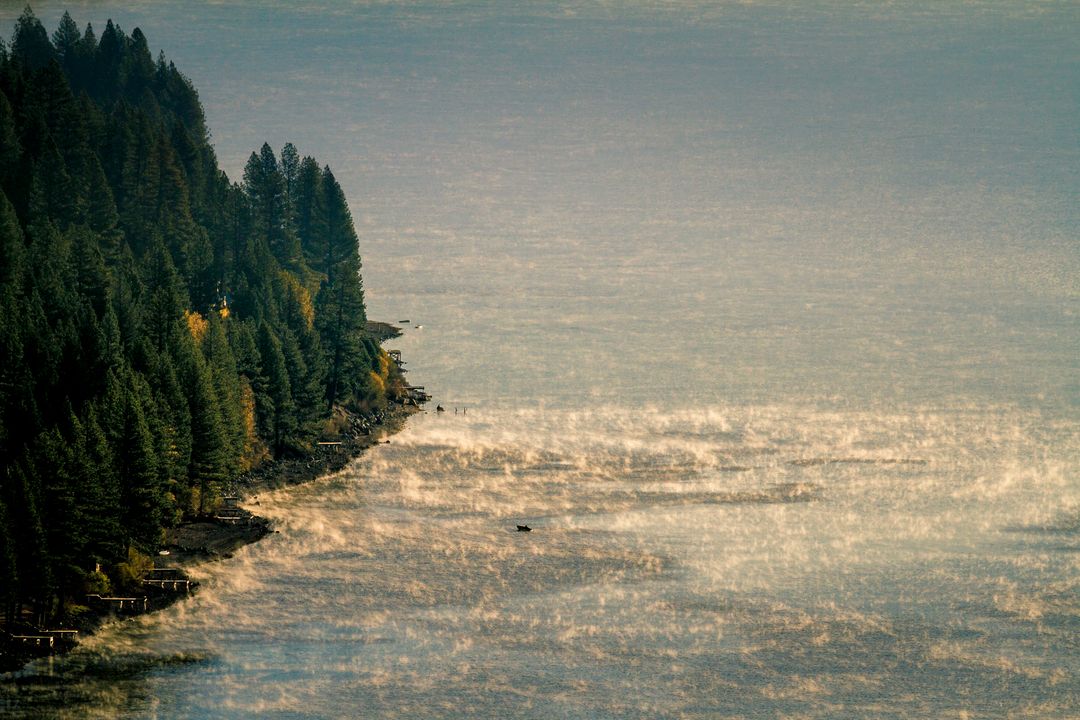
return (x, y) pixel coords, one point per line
(164, 328)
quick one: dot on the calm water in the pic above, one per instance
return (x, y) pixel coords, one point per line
(767, 320)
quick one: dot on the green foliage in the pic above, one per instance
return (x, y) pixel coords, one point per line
(161, 327)
(277, 417)
(130, 572)
(339, 306)
(9, 577)
(11, 243)
(30, 44)
(97, 583)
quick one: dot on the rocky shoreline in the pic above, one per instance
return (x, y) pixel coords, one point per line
(217, 537)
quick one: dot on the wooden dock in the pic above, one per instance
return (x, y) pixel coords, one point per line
(27, 638)
(169, 580)
(417, 393)
(175, 586)
(121, 605)
(38, 644)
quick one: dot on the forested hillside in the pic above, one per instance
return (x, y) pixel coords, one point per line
(162, 328)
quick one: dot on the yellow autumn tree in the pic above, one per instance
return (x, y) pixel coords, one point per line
(255, 450)
(197, 325)
(301, 295)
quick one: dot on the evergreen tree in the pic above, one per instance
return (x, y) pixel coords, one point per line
(98, 488)
(101, 215)
(264, 184)
(143, 473)
(209, 463)
(340, 312)
(290, 174)
(66, 40)
(9, 576)
(278, 415)
(9, 144)
(108, 57)
(87, 49)
(11, 243)
(164, 306)
(170, 422)
(228, 390)
(33, 561)
(30, 43)
(54, 464)
(309, 208)
(138, 68)
(92, 280)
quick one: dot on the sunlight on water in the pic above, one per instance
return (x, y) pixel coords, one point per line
(798, 561)
(765, 318)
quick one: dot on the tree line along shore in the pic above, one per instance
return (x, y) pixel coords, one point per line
(164, 330)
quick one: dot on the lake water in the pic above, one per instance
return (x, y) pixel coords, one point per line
(766, 317)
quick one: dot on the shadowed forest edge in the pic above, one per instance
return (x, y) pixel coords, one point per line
(164, 329)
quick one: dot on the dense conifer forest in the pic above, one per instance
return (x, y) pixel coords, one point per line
(162, 328)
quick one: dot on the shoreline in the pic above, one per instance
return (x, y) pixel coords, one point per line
(213, 539)
(208, 540)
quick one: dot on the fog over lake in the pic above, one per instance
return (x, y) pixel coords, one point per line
(766, 317)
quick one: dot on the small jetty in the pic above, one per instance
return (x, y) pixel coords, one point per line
(170, 580)
(231, 513)
(30, 640)
(120, 605)
(417, 394)
(24, 638)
